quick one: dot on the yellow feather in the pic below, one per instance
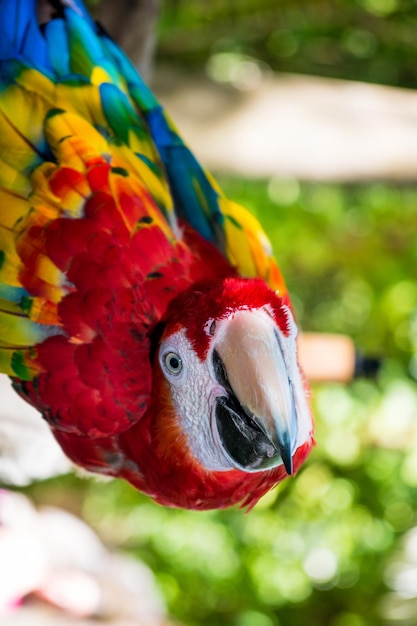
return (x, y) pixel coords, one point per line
(13, 181)
(42, 198)
(14, 149)
(99, 75)
(73, 152)
(248, 247)
(27, 110)
(142, 146)
(32, 80)
(13, 208)
(48, 271)
(130, 186)
(85, 101)
(5, 362)
(60, 126)
(158, 187)
(17, 330)
(11, 265)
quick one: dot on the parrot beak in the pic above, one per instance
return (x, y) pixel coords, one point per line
(256, 420)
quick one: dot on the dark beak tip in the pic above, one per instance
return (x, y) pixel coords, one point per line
(289, 468)
(287, 461)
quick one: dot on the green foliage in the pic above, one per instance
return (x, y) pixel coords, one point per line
(370, 40)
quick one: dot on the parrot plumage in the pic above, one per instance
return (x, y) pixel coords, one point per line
(141, 311)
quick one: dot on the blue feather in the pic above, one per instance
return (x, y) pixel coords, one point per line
(12, 294)
(57, 42)
(139, 91)
(86, 50)
(188, 181)
(21, 35)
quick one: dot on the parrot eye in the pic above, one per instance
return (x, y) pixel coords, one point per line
(173, 363)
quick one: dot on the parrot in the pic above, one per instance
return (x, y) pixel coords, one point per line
(142, 312)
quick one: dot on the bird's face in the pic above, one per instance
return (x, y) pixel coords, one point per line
(241, 401)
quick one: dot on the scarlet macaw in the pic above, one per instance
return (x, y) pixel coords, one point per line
(141, 311)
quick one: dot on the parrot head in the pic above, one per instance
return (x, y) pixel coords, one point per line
(230, 401)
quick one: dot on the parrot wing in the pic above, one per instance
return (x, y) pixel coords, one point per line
(98, 196)
(89, 240)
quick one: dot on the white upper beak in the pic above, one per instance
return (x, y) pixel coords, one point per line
(257, 419)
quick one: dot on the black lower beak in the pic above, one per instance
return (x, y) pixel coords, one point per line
(244, 440)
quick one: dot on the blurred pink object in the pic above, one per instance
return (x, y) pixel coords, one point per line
(54, 570)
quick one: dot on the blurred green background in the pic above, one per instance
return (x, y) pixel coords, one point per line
(371, 40)
(334, 546)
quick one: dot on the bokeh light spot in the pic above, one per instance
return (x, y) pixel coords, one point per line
(284, 191)
(321, 565)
